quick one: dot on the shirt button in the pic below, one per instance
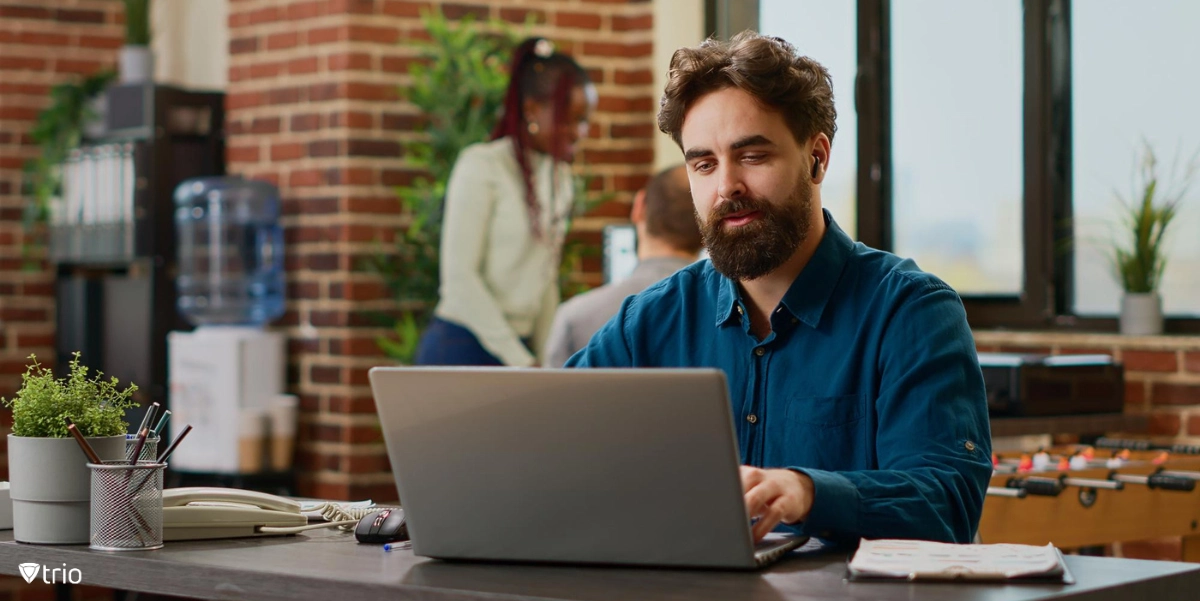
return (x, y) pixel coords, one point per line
(970, 446)
(752, 418)
(759, 351)
(739, 309)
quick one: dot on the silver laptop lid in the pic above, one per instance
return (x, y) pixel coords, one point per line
(635, 466)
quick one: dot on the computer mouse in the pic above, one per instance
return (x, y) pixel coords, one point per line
(383, 526)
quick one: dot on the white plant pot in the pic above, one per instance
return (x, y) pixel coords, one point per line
(51, 487)
(1141, 314)
(136, 64)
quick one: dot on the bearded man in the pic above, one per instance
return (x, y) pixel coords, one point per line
(855, 386)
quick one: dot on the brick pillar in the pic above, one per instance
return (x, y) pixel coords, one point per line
(313, 106)
(42, 43)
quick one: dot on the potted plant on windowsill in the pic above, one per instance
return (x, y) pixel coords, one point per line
(50, 485)
(136, 58)
(1138, 251)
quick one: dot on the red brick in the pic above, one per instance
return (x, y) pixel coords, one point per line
(37, 38)
(22, 89)
(1166, 393)
(63, 15)
(282, 41)
(101, 42)
(286, 95)
(1164, 424)
(618, 104)
(365, 464)
(458, 11)
(324, 91)
(522, 15)
(397, 64)
(304, 290)
(632, 156)
(633, 130)
(242, 154)
(577, 20)
(640, 76)
(633, 183)
(243, 45)
(24, 12)
(616, 49)
(307, 122)
(265, 125)
(352, 177)
(321, 374)
(1193, 425)
(265, 70)
(379, 206)
(352, 7)
(305, 10)
(352, 405)
(404, 8)
(637, 23)
(287, 152)
(1163, 361)
(370, 91)
(18, 63)
(325, 35)
(329, 319)
(324, 148)
(399, 122)
(350, 61)
(355, 347)
(1191, 362)
(352, 120)
(305, 178)
(377, 34)
(29, 341)
(265, 15)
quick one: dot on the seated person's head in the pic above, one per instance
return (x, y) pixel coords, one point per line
(755, 121)
(664, 215)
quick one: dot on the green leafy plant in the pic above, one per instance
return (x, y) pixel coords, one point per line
(96, 406)
(137, 22)
(57, 131)
(458, 85)
(1138, 254)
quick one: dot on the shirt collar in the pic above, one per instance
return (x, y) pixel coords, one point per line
(810, 292)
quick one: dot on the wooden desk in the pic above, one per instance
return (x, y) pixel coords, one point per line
(326, 565)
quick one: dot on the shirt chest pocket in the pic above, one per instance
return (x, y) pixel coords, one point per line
(829, 432)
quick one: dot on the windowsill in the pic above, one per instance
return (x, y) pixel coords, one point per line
(1057, 341)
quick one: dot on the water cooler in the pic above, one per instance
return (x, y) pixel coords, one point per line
(227, 376)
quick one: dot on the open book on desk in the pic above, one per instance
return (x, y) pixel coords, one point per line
(925, 560)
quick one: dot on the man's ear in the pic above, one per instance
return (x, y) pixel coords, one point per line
(637, 213)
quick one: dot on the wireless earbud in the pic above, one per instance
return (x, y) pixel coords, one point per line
(816, 166)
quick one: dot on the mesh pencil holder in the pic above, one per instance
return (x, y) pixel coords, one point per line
(127, 506)
(149, 450)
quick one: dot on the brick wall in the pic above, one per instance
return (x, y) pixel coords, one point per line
(313, 106)
(42, 43)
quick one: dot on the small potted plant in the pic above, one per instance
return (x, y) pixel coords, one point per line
(1138, 251)
(136, 59)
(49, 479)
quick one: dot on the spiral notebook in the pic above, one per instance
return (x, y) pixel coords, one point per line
(924, 560)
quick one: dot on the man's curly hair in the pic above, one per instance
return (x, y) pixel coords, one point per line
(765, 67)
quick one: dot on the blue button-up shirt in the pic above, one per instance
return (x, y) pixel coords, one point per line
(869, 383)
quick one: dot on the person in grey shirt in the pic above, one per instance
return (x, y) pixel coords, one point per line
(668, 239)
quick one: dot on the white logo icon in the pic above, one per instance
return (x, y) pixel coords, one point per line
(30, 570)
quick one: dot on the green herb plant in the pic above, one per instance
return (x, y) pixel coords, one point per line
(96, 406)
(137, 22)
(1137, 253)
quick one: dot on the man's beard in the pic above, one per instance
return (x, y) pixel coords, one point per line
(753, 250)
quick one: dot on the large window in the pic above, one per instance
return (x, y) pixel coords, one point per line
(1132, 86)
(956, 141)
(994, 135)
(827, 32)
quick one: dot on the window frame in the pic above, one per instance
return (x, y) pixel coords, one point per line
(1046, 301)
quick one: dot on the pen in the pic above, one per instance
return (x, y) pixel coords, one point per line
(83, 444)
(137, 449)
(162, 421)
(162, 458)
(148, 417)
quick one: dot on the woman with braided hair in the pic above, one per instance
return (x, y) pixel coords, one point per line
(507, 206)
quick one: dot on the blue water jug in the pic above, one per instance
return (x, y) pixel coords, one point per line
(230, 251)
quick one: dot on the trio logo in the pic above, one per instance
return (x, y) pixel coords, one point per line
(30, 570)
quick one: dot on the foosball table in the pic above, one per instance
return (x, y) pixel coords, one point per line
(1076, 496)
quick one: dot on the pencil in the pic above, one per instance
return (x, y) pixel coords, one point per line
(162, 458)
(83, 443)
(162, 421)
(141, 442)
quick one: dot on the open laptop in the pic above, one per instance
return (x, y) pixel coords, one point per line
(600, 466)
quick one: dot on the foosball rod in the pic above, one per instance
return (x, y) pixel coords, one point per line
(1163, 480)
(1138, 444)
(997, 491)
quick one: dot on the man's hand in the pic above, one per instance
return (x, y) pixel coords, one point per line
(775, 496)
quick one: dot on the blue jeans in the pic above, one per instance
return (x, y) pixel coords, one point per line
(447, 343)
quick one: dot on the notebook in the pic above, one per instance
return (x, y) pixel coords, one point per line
(926, 560)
